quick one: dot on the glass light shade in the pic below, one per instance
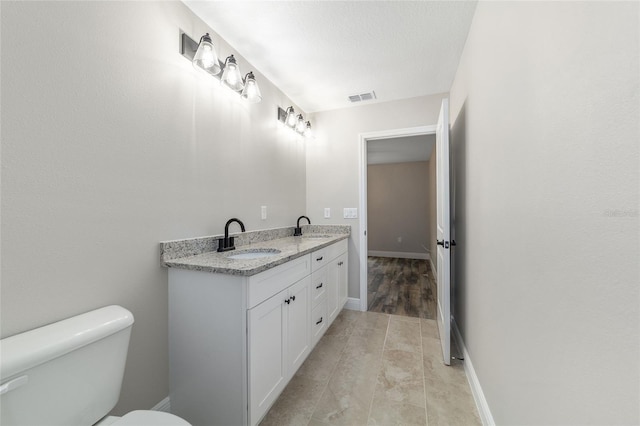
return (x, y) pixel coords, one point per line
(291, 117)
(205, 57)
(300, 125)
(231, 76)
(307, 130)
(251, 91)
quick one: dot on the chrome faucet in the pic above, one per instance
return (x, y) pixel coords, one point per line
(226, 243)
(298, 231)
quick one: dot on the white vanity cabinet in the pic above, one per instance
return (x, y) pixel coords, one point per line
(235, 341)
(279, 341)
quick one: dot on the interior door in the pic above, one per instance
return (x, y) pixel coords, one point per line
(443, 233)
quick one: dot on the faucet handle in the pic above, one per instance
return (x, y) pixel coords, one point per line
(226, 244)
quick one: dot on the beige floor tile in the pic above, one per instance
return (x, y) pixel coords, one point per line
(391, 413)
(322, 360)
(448, 395)
(401, 377)
(432, 349)
(348, 395)
(404, 318)
(373, 320)
(429, 328)
(296, 403)
(450, 377)
(404, 336)
(376, 369)
(344, 323)
(347, 408)
(453, 409)
(366, 340)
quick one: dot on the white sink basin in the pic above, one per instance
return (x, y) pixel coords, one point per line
(253, 254)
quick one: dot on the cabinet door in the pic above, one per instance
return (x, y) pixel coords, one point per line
(337, 288)
(298, 325)
(332, 290)
(343, 274)
(266, 353)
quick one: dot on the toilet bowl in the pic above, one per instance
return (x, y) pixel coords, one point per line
(70, 373)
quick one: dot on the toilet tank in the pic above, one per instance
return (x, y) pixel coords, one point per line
(66, 373)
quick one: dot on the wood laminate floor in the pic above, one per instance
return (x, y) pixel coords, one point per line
(401, 287)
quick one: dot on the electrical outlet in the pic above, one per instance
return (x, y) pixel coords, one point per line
(399, 240)
(263, 212)
(327, 212)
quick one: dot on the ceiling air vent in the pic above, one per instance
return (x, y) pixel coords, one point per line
(363, 97)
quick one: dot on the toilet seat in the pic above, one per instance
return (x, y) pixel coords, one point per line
(150, 418)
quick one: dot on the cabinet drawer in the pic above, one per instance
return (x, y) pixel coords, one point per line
(318, 286)
(337, 249)
(319, 322)
(319, 259)
(265, 284)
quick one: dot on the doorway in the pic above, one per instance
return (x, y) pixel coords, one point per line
(393, 256)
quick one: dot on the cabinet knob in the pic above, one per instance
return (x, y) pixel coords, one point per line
(319, 321)
(320, 258)
(287, 301)
(319, 286)
(293, 298)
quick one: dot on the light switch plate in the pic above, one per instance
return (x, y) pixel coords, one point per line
(350, 213)
(263, 212)
(327, 212)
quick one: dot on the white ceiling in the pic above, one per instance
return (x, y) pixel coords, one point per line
(400, 150)
(320, 52)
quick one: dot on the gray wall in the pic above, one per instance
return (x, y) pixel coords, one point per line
(112, 142)
(398, 207)
(333, 159)
(545, 108)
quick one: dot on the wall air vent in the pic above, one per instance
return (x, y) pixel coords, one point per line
(363, 97)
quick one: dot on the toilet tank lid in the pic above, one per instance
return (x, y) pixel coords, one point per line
(31, 348)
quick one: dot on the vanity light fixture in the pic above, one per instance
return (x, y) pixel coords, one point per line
(203, 56)
(251, 91)
(231, 76)
(290, 119)
(300, 124)
(296, 122)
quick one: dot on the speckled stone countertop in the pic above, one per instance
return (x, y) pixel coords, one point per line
(200, 254)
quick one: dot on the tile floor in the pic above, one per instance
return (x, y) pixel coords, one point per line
(376, 369)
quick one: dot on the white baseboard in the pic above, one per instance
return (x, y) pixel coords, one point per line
(352, 304)
(398, 254)
(433, 267)
(474, 383)
(164, 406)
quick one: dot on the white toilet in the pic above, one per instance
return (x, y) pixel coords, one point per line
(69, 373)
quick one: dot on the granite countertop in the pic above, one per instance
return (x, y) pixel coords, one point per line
(200, 254)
